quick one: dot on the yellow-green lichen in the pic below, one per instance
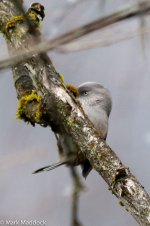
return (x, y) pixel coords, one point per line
(35, 14)
(73, 90)
(70, 122)
(10, 25)
(22, 112)
(33, 17)
(61, 77)
(18, 19)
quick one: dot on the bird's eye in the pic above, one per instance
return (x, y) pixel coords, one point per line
(84, 93)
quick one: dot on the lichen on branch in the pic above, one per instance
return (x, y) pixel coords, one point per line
(29, 100)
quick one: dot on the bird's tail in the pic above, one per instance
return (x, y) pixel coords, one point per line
(50, 167)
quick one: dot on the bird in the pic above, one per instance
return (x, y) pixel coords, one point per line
(96, 103)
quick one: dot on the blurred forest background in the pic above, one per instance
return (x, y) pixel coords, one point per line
(123, 67)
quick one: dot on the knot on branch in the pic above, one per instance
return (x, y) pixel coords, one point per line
(34, 15)
(121, 174)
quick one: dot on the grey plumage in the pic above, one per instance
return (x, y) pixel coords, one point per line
(96, 103)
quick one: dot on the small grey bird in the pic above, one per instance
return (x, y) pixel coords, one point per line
(96, 103)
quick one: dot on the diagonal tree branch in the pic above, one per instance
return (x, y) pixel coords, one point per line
(65, 115)
(126, 13)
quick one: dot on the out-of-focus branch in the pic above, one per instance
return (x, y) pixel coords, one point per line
(102, 42)
(126, 13)
(77, 188)
(65, 115)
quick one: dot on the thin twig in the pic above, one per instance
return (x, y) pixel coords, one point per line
(101, 42)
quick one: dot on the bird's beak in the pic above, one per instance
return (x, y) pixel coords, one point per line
(73, 90)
